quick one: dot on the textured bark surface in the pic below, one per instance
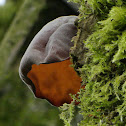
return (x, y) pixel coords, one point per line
(85, 28)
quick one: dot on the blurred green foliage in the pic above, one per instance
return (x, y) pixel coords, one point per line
(18, 106)
(7, 13)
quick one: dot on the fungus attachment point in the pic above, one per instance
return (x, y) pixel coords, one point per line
(55, 81)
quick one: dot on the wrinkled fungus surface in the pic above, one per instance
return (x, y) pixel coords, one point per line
(45, 64)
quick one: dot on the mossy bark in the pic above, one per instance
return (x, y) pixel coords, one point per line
(99, 54)
(85, 28)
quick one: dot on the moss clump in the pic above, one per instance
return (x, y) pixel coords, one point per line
(100, 8)
(67, 113)
(103, 70)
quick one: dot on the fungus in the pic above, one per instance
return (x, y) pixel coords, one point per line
(45, 66)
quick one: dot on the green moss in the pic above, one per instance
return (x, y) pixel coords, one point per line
(100, 8)
(105, 73)
(67, 113)
(103, 62)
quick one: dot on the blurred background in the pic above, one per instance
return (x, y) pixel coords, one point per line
(20, 20)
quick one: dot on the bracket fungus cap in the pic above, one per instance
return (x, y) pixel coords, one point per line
(45, 64)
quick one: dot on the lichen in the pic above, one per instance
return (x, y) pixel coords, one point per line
(103, 64)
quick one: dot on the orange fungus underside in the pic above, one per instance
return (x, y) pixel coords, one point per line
(55, 81)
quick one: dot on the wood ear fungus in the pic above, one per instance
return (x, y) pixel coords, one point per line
(45, 66)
